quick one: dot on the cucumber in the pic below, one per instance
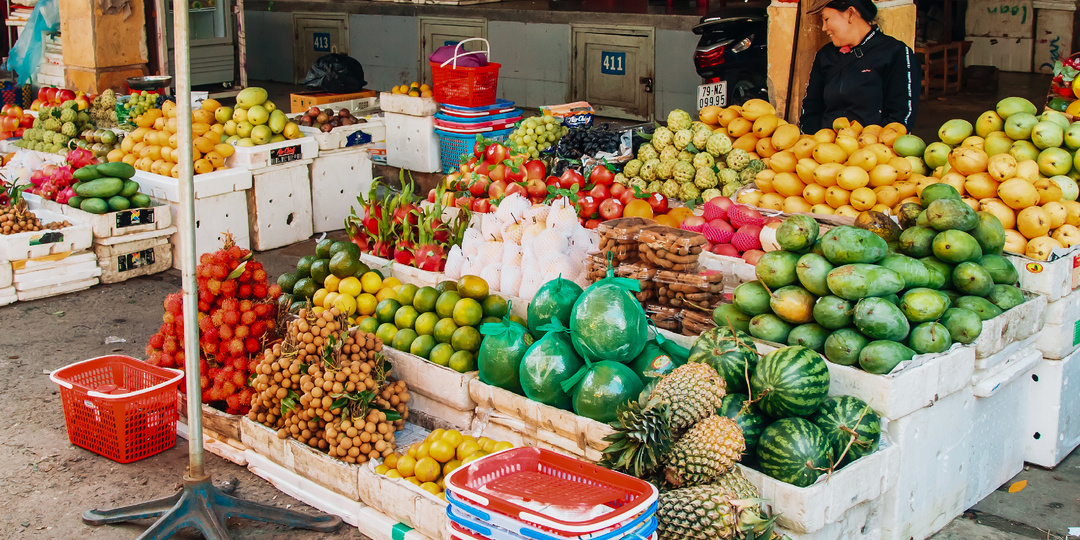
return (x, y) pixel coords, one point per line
(86, 173)
(75, 201)
(118, 203)
(131, 187)
(94, 205)
(140, 200)
(101, 188)
(117, 169)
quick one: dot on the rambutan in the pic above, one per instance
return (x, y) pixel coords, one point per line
(154, 359)
(236, 347)
(251, 345)
(204, 381)
(156, 341)
(230, 304)
(259, 275)
(231, 318)
(204, 307)
(258, 328)
(241, 332)
(245, 306)
(205, 259)
(262, 310)
(233, 402)
(239, 379)
(206, 324)
(210, 347)
(214, 286)
(228, 288)
(218, 318)
(174, 303)
(167, 329)
(166, 360)
(237, 252)
(259, 290)
(225, 332)
(248, 318)
(168, 318)
(274, 291)
(219, 272)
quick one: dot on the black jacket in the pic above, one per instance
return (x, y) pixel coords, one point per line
(877, 82)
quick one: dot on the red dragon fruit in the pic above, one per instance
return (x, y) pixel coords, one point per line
(80, 157)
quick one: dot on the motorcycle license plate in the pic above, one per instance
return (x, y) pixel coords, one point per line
(712, 94)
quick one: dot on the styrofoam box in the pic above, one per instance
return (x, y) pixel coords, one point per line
(75, 268)
(215, 215)
(140, 255)
(437, 382)
(5, 274)
(736, 271)
(405, 502)
(999, 426)
(338, 178)
(206, 185)
(8, 295)
(815, 507)
(1060, 336)
(1016, 324)
(406, 104)
(1007, 54)
(934, 443)
(131, 221)
(992, 362)
(314, 465)
(1053, 417)
(273, 154)
(1055, 279)
(214, 443)
(411, 143)
(35, 244)
(860, 522)
(279, 205)
(304, 489)
(57, 290)
(1053, 33)
(430, 414)
(347, 136)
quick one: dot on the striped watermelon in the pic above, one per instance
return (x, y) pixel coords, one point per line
(794, 450)
(731, 354)
(840, 413)
(746, 415)
(792, 381)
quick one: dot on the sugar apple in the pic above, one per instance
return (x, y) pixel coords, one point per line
(703, 160)
(679, 119)
(621, 179)
(728, 176)
(757, 165)
(69, 129)
(638, 183)
(646, 152)
(108, 99)
(686, 156)
(666, 169)
(38, 123)
(52, 124)
(701, 138)
(705, 178)
(669, 153)
(70, 104)
(737, 159)
(710, 194)
(83, 117)
(682, 139)
(654, 187)
(68, 115)
(683, 172)
(718, 144)
(61, 140)
(729, 190)
(747, 175)
(689, 192)
(632, 167)
(662, 137)
(648, 170)
(47, 136)
(670, 189)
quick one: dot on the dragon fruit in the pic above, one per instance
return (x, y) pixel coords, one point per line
(80, 157)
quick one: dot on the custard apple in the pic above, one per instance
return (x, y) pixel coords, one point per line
(689, 192)
(756, 165)
(669, 153)
(61, 140)
(70, 104)
(47, 136)
(683, 172)
(655, 187)
(68, 115)
(646, 152)
(737, 159)
(666, 169)
(38, 123)
(747, 175)
(718, 144)
(729, 189)
(679, 119)
(710, 194)
(108, 99)
(52, 124)
(682, 138)
(705, 178)
(82, 117)
(703, 160)
(701, 137)
(69, 129)
(686, 156)
(648, 170)
(621, 179)
(670, 189)
(662, 137)
(638, 183)
(632, 167)
(728, 176)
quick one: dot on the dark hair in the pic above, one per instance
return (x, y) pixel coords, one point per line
(866, 8)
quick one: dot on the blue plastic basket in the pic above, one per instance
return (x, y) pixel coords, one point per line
(499, 527)
(454, 145)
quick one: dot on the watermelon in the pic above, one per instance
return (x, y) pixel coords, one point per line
(841, 413)
(746, 415)
(792, 381)
(554, 300)
(606, 387)
(794, 450)
(732, 355)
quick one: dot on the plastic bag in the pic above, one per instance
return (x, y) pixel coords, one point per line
(25, 57)
(554, 300)
(607, 322)
(505, 344)
(547, 364)
(464, 58)
(659, 357)
(336, 73)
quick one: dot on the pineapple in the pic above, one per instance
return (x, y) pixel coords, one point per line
(693, 391)
(735, 484)
(708, 513)
(709, 450)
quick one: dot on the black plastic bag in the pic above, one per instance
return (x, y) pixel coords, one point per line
(336, 73)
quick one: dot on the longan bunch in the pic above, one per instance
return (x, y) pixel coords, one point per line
(16, 218)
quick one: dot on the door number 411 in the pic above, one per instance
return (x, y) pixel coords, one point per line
(613, 63)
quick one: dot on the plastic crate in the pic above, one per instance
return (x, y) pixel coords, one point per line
(454, 145)
(476, 519)
(465, 86)
(123, 427)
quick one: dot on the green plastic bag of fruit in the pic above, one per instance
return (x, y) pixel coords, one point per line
(554, 300)
(505, 344)
(607, 322)
(547, 363)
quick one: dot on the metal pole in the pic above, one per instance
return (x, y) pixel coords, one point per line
(188, 254)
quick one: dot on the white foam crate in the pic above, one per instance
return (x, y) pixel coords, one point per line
(1053, 415)
(934, 443)
(1055, 279)
(5, 274)
(124, 222)
(411, 143)
(8, 295)
(408, 105)
(279, 205)
(214, 216)
(1014, 325)
(371, 131)
(57, 290)
(406, 503)
(983, 365)
(140, 255)
(35, 244)
(338, 177)
(273, 154)
(1060, 336)
(998, 429)
(42, 274)
(813, 509)
(736, 271)
(303, 489)
(860, 522)
(206, 185)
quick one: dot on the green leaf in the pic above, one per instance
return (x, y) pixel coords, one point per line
(238, 271)
(391, 415)
(289, 403)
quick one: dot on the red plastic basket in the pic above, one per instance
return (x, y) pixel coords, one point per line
(465, 86)
(137, 421)
(543, 476)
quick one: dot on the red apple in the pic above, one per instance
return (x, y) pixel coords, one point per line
(497, 172)
(519, 176)
(63, 95)
(495, 153)
(83, 103)
(515, 187)
(468, 166)
(478, 184)
(27, 121)
(43, 93)
(611, 209)
(600, 192)
(592, 223)
(726, 249)
(552, 181)
(751, 257)
(14, 111)
(570, 178)
(535, 169)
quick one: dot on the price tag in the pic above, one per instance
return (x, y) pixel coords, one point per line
(321, 41)
(285, 155)
(613, 63)
(47, 238)
(131, 261)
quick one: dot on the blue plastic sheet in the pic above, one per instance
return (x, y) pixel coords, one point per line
(26, 55)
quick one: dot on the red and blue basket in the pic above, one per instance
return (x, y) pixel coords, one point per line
(465, 86)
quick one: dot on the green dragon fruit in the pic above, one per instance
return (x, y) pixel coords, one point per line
(669, 153)
(648, 169)
(705, 178)
(737, 159)
(710, 194)
(670, 189)
(718, 144)
(689, 192)
(728, 176)
(646, 152)
(666, 169)
(632, 167)
(655, 186)
(683, 172)
(686, 156)
(662, 137)
(703, 160)
(682, 138)
(679, 119)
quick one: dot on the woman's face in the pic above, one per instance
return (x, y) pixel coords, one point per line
(839, 26)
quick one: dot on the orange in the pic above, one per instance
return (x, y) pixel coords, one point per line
(467, 448)
(441, 451)
(638, 208)
(427, 470)
(406, 465)
(453, 437)
(680, 214)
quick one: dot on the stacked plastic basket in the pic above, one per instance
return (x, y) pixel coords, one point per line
(457, 128)
(536, 494)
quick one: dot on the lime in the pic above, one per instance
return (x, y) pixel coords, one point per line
(466, 338)
(369, 325)
(363, 269)
(406, 293)
(441, 353)
(424, 299)
(377, 272)
(320, 269)
(444, 306)
(297, 306)
(494, 306)
(287, 281)
(386, 310)
(350, 286)
(386, 332)
(405, 317)
(519, 320)
(344, 264)
(304, 288)
(403, 339)
(462, 362)
(444, 330)
(303, 266)
(490, 320)
(425, 324)
(467, 312)
(472, 287)
(339, 246)
(422, 345)
(322, 249)
(444, 286)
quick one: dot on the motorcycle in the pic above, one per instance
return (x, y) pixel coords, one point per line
(731, 56)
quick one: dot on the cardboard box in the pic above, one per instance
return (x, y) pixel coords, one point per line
(304, 100)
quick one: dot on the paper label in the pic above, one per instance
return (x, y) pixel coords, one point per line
(285, 155)
(132, 261)
(135, 216)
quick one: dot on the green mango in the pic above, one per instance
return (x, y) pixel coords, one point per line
(751, 298)
(857, 281)
(1001, 269)
(813, 272)
(922, 305)
(843, 346)
(937, 191)
(797, 233)
(769, 327)
(913, 271)
(956, 247)
(850, 245)
(1006, 297)
(878, 318)
(810, 335)
(940, 273)
(726, 315)
(833, 312)
(981, 306)
(951, 215)
(776, 269)
(917, 241)
(964, 325)
(880, 357)
(972, 279)
(989, 233)
(930, 337)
